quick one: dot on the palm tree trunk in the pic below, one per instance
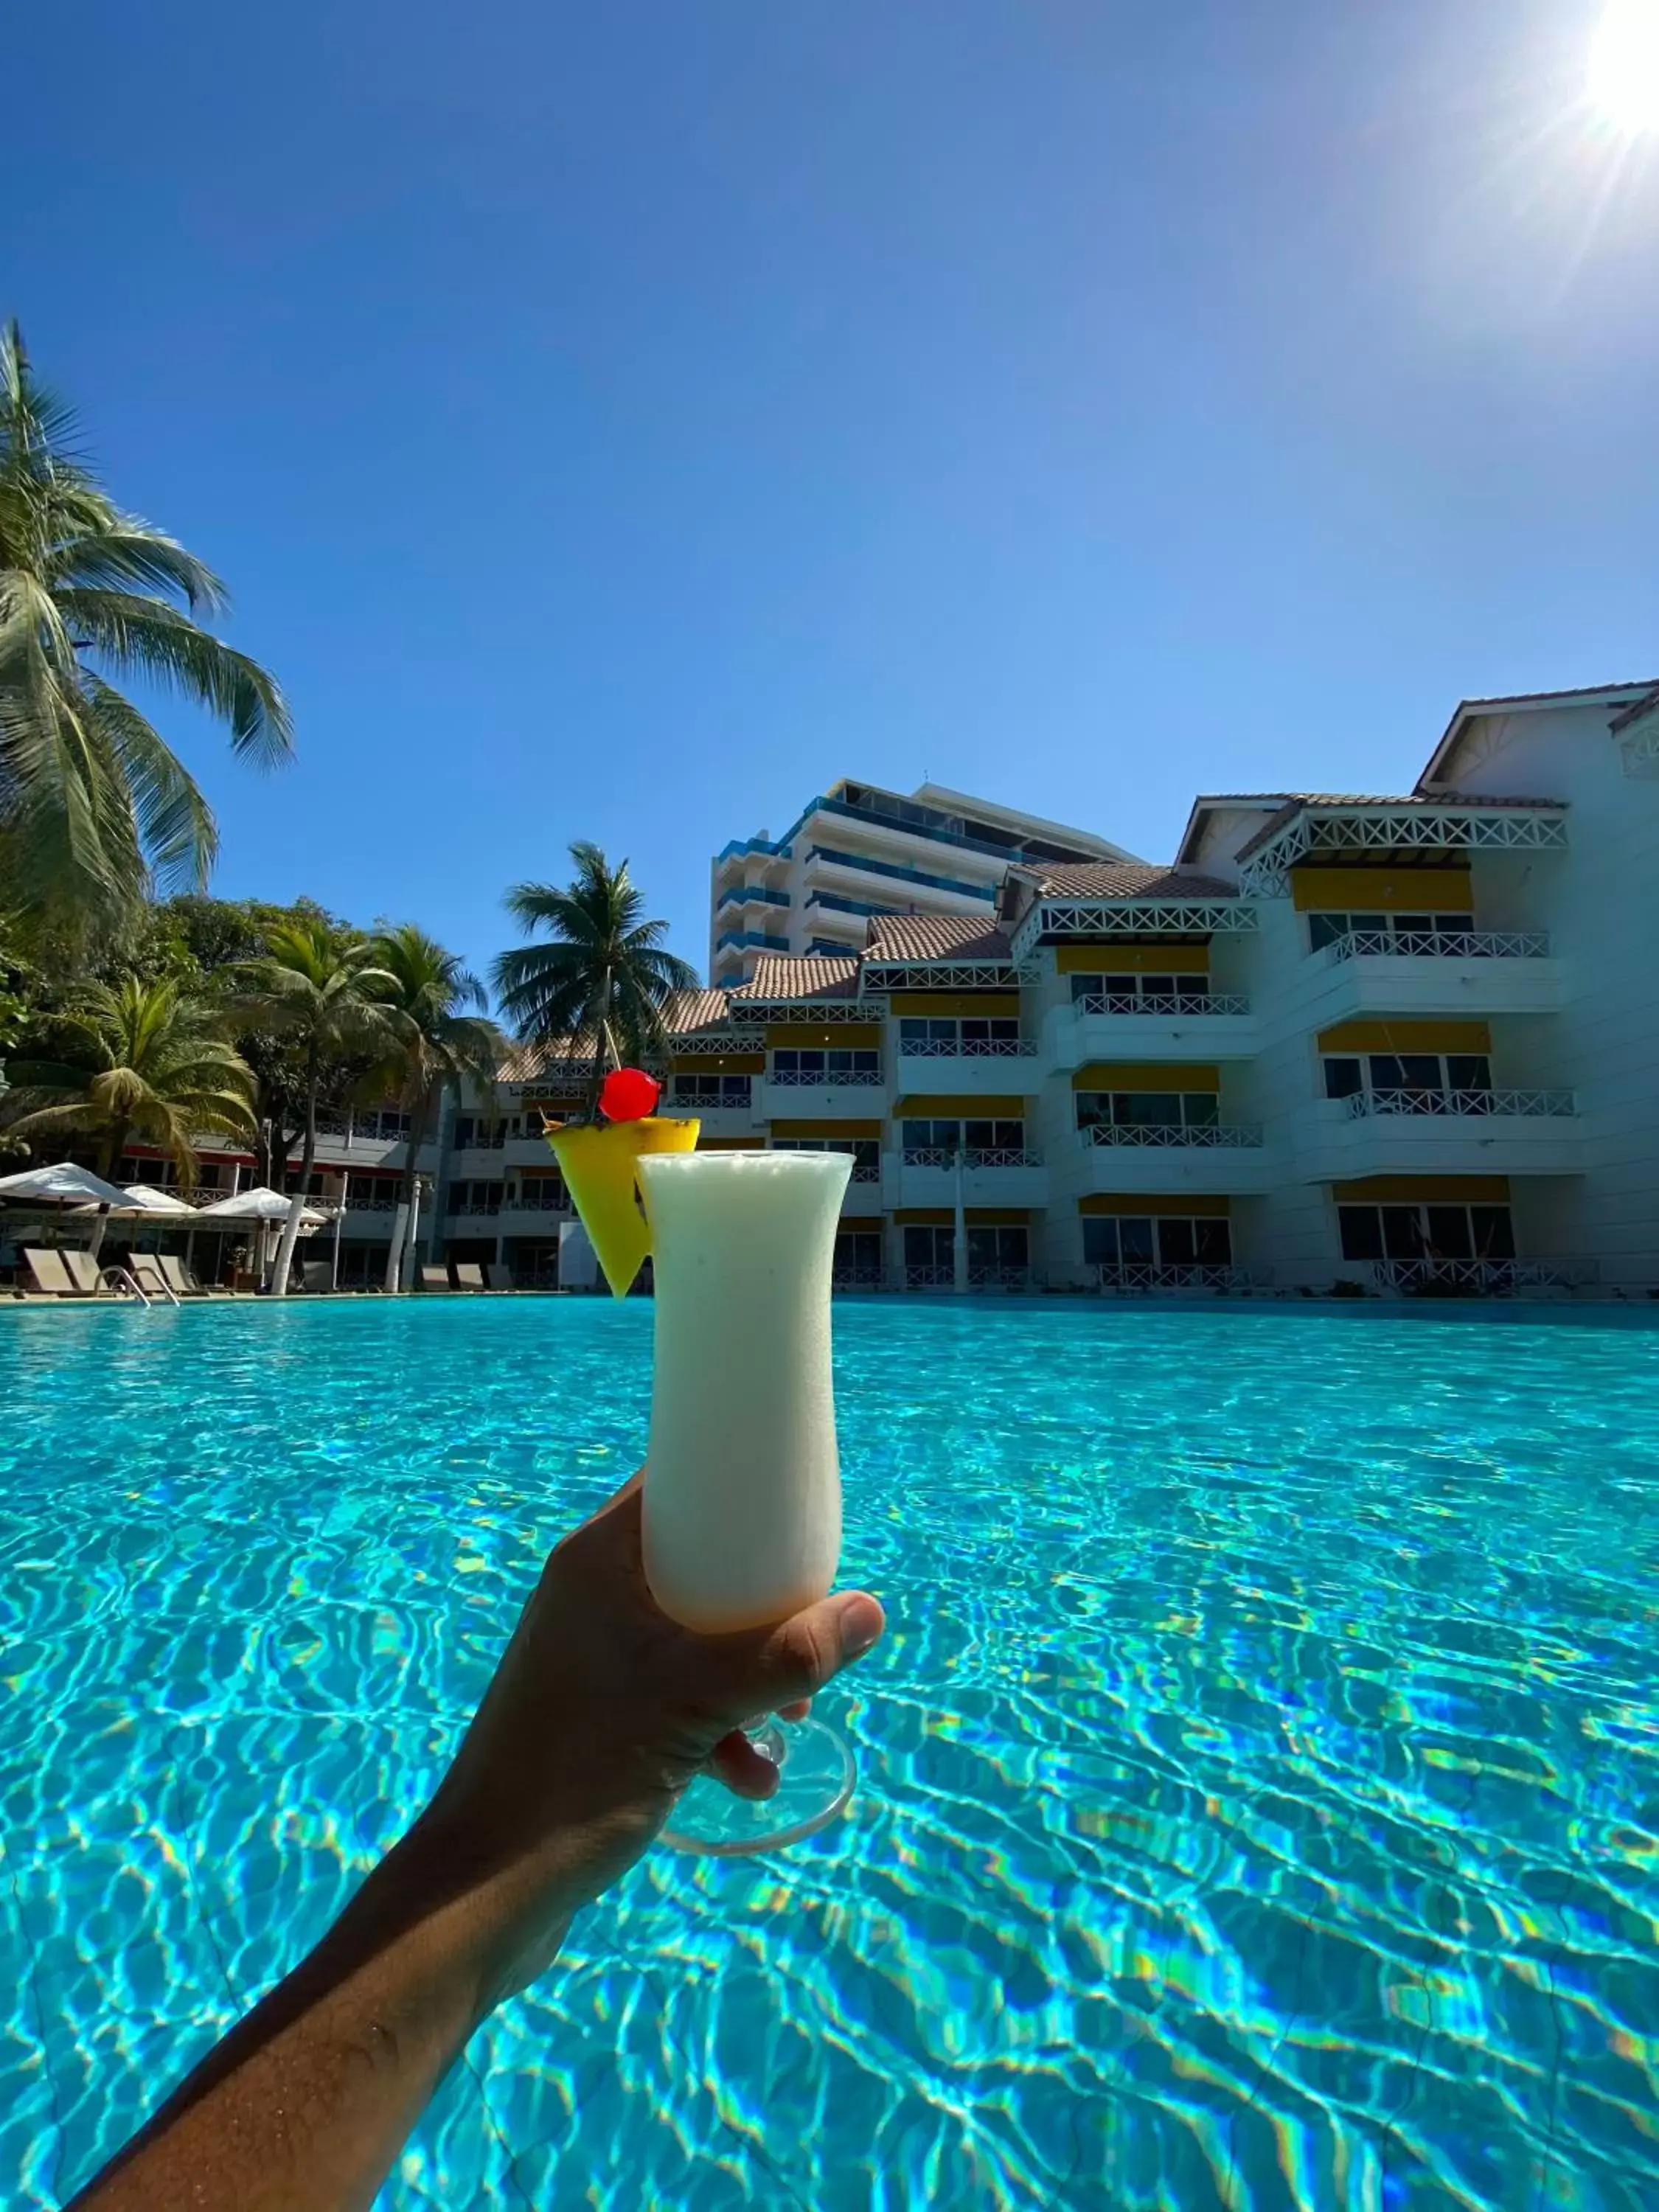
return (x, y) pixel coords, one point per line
(114, 1145)
(291, 1226)
(604, 1047)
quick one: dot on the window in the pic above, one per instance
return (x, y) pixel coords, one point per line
(711, 1090)
(1324, 929)
(476, 1197)
(866, 1151)
(1132, 1240)
(1426, 1233)
(1001, 1247)
(858, 1257)
(987, 1136)
(929, 1244)
(826, 1065)
(1164, 1109)
(1392, 1074)
(1190, 989)
(970, 1029)
(542, 1193)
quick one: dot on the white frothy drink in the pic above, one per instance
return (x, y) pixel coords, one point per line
(743, 1482)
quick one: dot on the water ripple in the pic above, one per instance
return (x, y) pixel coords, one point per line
(1259, 1798)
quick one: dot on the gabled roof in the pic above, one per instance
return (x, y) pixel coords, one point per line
(791, 975)
(934, 937)
(1616, 695)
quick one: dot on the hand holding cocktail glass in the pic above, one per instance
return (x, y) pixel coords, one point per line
(741, 1504)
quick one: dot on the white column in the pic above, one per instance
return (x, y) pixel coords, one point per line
(959, 1246)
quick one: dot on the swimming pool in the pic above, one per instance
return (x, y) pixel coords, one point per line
(1260, 1781)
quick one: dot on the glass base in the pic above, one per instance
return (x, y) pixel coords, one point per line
(815, 1776)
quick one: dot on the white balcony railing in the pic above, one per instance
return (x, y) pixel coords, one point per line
(940, 1156)
(929, 1279)
(479, 1207)
(866, 1172)
(1528, 1105)
(1497, 1276)
(1440, 944)
(482, 1140)
(819, 1079)
(855, 1279)
(966, 1049)
(355, 1205)
(998, 1279)
(1175, 1135)
(1188, 1275)
(1162, 1004)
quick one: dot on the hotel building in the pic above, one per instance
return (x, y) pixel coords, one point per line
(1392, 1044)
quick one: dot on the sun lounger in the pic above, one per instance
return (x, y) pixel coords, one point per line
(499, 1275)
(316, 1275)
(51, 1275)
(181, 1280)
(468, 1275)
(85, 1273)
(435, 1279)
(147, 1273)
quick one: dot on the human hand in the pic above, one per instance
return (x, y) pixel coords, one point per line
(600, 1713)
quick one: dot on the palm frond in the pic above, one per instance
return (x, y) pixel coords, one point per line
(139, 634)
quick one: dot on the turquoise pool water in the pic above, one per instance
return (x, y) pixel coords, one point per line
(1260, 1782)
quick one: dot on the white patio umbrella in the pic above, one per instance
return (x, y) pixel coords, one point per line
(264, 1206)
(68, 1186)
(62, 1185)
(259, 1204)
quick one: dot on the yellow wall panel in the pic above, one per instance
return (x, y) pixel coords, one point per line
(1406, 1037)
(1374, 890)
(1111, 959)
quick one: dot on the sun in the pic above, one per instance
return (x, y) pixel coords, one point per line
(1624, 65)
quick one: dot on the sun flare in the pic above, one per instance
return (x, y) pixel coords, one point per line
(1624, 65)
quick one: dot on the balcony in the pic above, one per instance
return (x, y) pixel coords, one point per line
(483, 1162)
(1203, 1026)
(1429, 1279)
(979, 1278)
(1431, 972)
(975, 1068)
(520, 1220)
(1135, 1276)
(367, 1140)
(1166, 1158)
(1438, 1133)
(803, 1094)
(926, 1175)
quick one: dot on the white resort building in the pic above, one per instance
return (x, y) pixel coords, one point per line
(1383, 1044)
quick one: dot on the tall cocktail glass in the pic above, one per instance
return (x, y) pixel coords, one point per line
(742, 1509)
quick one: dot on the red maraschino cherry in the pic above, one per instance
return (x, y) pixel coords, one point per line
(628, 1095)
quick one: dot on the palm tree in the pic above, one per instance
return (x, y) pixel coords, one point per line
(95, 808)
(324, 990)
(438, 1041)
(604, 979)
(148, 1060)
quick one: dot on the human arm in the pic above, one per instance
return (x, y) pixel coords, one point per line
(600, 1713)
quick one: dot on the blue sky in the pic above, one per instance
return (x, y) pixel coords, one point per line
(619, 422)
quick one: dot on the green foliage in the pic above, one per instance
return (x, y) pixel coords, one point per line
(95, 810)
(146, 1059)
(603, 981)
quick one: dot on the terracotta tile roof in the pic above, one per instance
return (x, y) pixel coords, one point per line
(791, 975)
(1126, 879)
(935, 937)
(694, 1010)
(544, 1063)
(1298, 800)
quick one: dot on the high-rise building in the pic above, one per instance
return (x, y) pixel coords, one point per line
(859, 854)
